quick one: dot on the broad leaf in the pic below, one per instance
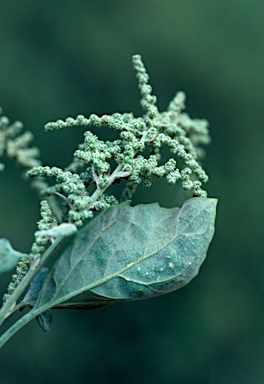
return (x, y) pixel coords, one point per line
(9, 257)
(129, 253)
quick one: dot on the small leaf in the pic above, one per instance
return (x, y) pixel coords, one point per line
(45, 318)
(9, 257)
(35, 287)
(130, 253)
(64, 230)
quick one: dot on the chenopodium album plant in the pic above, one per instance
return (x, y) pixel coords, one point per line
(92, 249)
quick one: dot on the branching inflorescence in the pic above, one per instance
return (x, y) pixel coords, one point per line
(14, 144)
(134, 157)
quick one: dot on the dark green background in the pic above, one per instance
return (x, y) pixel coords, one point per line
(62, 58)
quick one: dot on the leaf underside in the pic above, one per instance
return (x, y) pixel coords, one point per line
(130, 253)
(9, 257)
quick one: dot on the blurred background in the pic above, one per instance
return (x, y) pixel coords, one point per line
(63, 58)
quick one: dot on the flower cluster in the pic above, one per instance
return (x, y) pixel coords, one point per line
(15, 144)
(21, 271)
(135, 157)
(47, 221)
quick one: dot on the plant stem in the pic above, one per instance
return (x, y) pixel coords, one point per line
(99, 191)
(18, 325)
(8, 307)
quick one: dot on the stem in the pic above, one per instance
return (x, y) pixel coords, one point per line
(99, 191)
(8, 307)
(18, 325)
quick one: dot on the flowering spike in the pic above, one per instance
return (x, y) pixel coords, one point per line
(97, 164)
(15, 145)
(148, 101)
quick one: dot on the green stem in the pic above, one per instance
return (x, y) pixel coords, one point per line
(8, 307)
(99, 191)
(18, 325)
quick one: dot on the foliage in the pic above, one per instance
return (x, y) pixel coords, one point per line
(123, 253)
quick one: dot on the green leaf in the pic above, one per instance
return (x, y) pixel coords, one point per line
(45, 318)
(9, 257)
(129, 253)
(34, 288)
(64, 230)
